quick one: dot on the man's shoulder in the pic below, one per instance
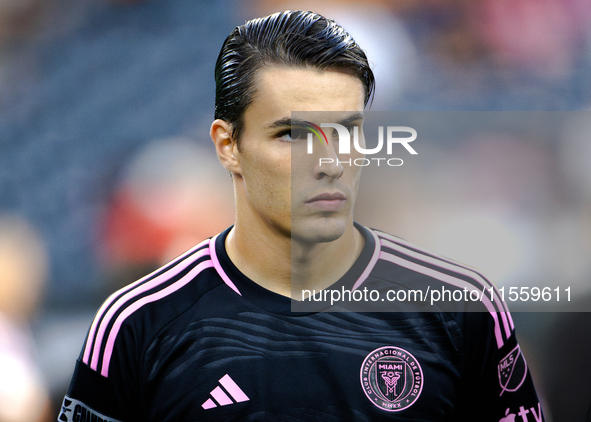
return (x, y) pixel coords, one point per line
(164, 291)
(415, 276)
(141, 309)
(399, 255)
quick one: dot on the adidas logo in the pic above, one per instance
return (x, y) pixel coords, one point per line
(221, 397)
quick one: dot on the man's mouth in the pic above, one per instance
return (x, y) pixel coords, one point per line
(330, 201)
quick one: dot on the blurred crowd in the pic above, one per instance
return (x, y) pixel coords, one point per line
(106, 170)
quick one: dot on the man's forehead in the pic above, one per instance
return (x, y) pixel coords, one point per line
(281, 90)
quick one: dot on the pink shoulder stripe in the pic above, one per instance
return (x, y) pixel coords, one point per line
(372, 262)
(459, 270)
(98, 327)
(141, 302)
(218, 266)
(457, 282)
(403, 245)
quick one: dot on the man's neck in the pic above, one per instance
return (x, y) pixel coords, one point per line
(287, 267)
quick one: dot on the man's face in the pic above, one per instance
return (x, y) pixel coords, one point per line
(284, 186)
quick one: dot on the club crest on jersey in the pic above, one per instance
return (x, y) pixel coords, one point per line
(512, 370)
(391, 378)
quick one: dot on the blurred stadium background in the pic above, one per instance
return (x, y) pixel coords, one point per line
(106, 168)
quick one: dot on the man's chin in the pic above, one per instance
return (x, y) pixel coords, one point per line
(320, 231)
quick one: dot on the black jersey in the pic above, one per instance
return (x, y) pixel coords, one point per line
(198, 341)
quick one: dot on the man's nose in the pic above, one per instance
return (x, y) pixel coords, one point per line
(327, 161)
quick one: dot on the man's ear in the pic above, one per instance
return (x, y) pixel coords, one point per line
(225, 146)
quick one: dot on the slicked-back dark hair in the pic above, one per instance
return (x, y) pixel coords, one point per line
(295, 39)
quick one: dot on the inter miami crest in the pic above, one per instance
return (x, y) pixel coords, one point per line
(392, 378)
(512, 370)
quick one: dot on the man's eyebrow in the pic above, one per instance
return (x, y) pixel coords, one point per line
(352, 118)
(286, 121)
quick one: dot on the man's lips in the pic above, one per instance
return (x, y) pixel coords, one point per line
(327, 201)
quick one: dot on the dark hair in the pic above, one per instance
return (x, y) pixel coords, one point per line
(301, 39)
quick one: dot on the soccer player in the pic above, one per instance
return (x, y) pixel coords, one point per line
(212, 337)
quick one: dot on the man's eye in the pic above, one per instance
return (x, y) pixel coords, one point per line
(294, 135)
(350, 129)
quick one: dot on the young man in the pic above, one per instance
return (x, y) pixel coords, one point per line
(211, 336)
